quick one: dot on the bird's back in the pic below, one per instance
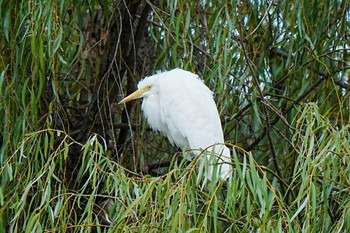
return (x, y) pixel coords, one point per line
(189, 111)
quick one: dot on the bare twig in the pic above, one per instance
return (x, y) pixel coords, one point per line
(276, 119)
(266, 116)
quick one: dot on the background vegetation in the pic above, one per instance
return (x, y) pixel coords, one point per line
(71, 160)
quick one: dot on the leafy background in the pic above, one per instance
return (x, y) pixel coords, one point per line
(72, 160)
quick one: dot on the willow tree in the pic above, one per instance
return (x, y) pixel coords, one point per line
(71, 159)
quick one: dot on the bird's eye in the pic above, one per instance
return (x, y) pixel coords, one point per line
(148, 87)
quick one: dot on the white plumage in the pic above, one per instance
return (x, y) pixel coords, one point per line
(179, 105)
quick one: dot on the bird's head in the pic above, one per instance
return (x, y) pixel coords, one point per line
(146, 87)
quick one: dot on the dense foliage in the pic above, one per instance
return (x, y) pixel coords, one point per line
(72, 160)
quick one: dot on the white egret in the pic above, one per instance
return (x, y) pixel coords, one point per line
(179, 105)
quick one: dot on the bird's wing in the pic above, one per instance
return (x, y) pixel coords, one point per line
(190, 113)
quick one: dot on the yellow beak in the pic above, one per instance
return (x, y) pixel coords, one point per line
(135, 95)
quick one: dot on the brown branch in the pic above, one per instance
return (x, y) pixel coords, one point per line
(322, 73)
(283, 54)
(276, 119)
(266, 116)
(131, 62)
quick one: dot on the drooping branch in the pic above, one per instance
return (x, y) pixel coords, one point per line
(290, 107)
(125, 34)
(323, 76)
